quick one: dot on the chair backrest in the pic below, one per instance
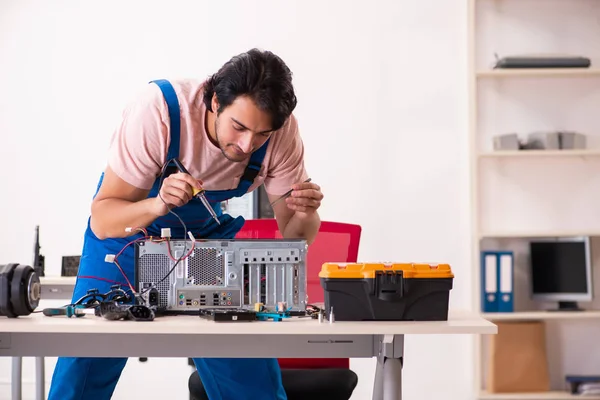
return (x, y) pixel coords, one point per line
(335, 242)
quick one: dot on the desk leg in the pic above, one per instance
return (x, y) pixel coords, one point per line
(16, 377)
(40, 379)
(388, 373)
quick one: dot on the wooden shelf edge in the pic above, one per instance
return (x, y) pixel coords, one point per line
(541, 315)
(554, 395)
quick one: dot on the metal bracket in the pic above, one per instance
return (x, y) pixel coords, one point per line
(391, 346)
(5, 340)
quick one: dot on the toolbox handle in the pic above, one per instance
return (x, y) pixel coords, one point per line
(389, 285)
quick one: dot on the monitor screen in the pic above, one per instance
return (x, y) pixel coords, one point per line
(560, 267)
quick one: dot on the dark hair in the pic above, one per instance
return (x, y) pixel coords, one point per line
(261, 75)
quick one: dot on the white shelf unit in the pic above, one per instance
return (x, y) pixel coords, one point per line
(535, 193)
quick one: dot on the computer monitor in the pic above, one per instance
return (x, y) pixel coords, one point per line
(561, 271)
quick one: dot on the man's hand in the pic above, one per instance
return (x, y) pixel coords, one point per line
(305, 199)
(297, 216)
(176, 191)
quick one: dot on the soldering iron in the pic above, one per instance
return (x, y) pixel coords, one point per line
(199, 193)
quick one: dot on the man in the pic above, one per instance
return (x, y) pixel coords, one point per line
(233, 133)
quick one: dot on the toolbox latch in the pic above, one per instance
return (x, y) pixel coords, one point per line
(389, 285)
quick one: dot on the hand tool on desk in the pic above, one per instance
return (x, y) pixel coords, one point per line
(68, 311)
(287, 194)
(199, 193)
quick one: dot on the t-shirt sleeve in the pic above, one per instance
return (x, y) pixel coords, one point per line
(287, 162)
(139, 144)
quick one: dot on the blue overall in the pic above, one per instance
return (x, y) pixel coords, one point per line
(223, 379)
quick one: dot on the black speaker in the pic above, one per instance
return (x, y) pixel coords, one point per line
(19, 290)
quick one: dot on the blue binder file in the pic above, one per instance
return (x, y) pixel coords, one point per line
(489, 281)
(505, 281)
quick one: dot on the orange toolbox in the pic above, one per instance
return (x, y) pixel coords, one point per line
(387, 291)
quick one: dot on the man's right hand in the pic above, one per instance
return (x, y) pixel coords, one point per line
(176, 191)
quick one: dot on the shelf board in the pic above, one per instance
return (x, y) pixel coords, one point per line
(542, 315)
(537, 234)
(538, 72)
(554, 395)
(540, 153)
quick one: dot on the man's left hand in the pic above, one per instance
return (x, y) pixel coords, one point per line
(305, 198)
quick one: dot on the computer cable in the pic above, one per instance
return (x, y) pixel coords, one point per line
(91, 300)
(114, 311)
(114, 258)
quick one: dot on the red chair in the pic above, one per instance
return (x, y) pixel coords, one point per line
(308, 378)
(335, 242)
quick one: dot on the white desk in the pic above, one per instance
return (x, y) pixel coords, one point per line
(189, 336)
(52, 288)
(57, 287)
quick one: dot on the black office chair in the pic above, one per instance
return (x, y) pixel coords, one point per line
(301, 384)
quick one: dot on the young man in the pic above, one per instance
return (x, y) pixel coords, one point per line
(233, 133)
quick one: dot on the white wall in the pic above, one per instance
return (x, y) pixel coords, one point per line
(382, 95)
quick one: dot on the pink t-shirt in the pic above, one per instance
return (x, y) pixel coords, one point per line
(139, 146)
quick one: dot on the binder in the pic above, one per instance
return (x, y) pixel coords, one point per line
(505, 281)
(497, 281)
(489, 281)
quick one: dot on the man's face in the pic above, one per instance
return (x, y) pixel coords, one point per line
(241, 128)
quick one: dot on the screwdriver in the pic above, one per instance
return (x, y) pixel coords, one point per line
(199, 193)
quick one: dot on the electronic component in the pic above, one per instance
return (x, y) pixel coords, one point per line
(19, 290)
(275, 316)
(70, 265)
(152, 298)
(114, 311)
(561, 270)
(543, 61)
(93, 297)
(228, 314)
(39, 261)
(91, 300)
(222, 273)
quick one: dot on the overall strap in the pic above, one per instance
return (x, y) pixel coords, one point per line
(174, 117)
(253, 168)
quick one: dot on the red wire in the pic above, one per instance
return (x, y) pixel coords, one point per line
(123, 273)
(183, 258)
(140, 240)
(130, 243)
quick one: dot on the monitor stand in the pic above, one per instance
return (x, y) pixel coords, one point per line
(567, 306)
